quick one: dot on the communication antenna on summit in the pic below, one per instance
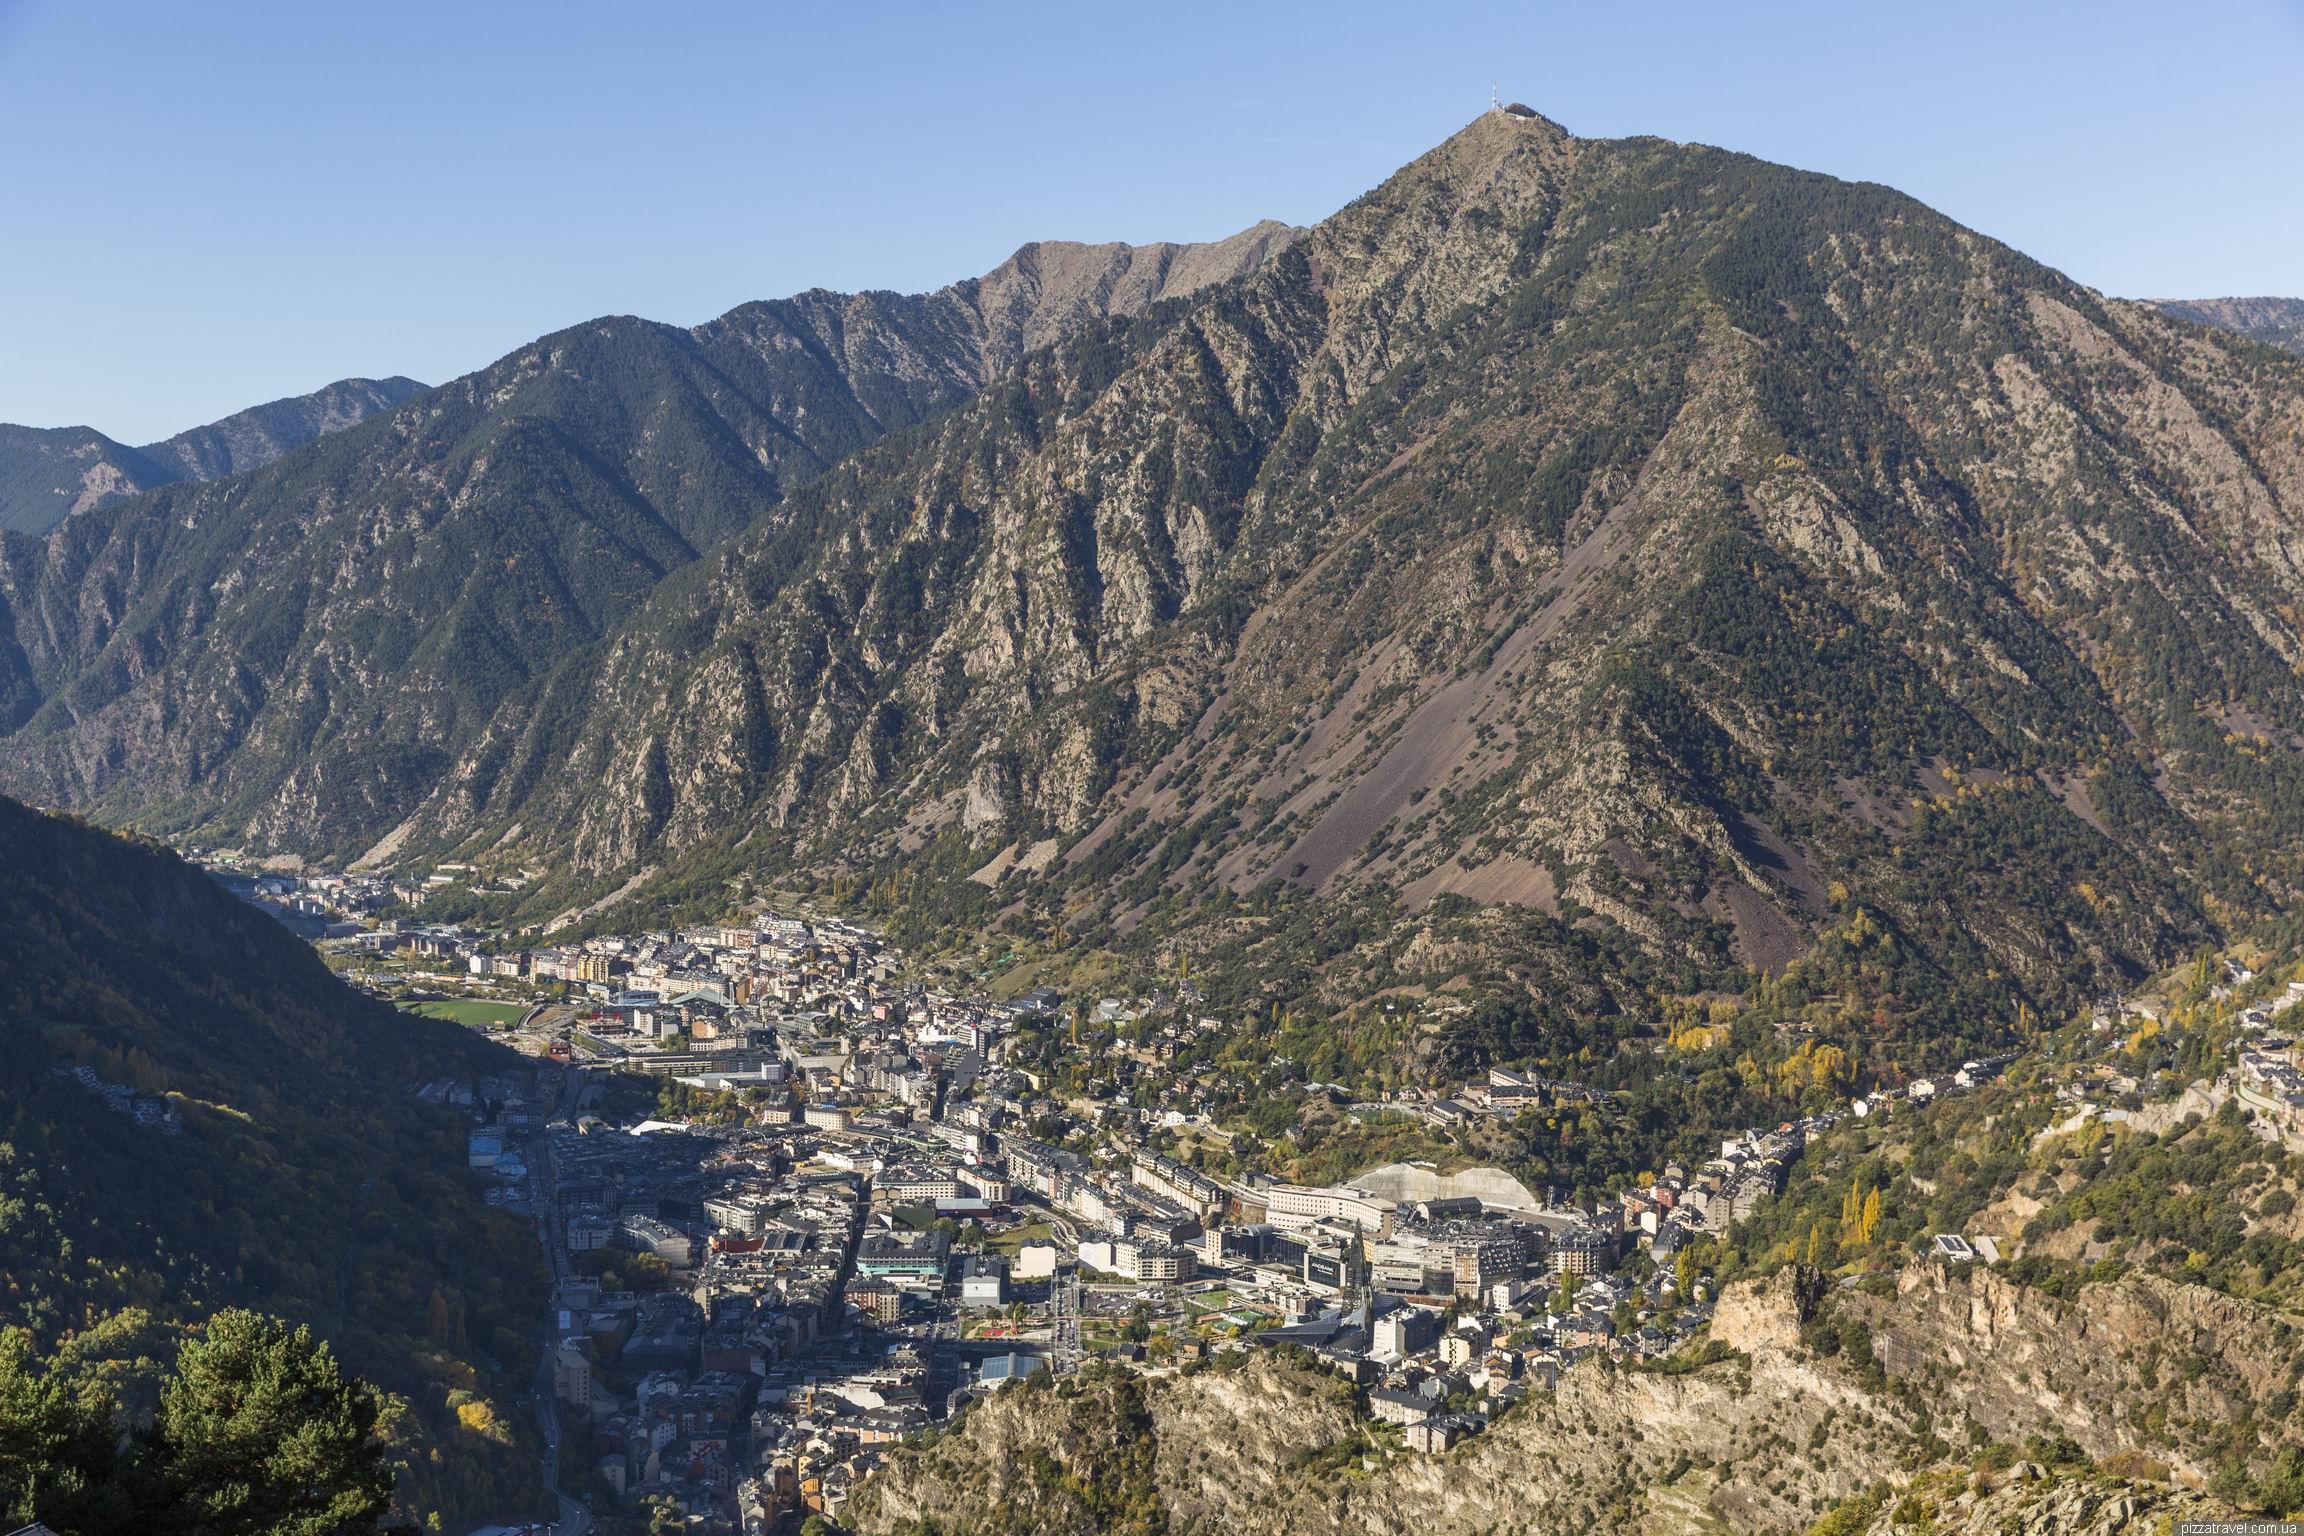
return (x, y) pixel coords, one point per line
(1495, 102)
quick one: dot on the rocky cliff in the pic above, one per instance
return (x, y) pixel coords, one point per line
(1768, 1439)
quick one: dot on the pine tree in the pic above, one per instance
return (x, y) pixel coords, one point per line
(58, 1448)
(259, 1434)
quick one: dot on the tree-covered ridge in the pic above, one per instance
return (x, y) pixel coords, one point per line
(300, 1173)
(48, 474)
(2275, 322)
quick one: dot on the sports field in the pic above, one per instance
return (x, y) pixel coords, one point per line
(472, 1013)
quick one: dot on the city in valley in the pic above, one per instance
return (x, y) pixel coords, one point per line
(801, 1206)
(1219, 785)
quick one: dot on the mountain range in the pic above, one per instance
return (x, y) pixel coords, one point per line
(1722, 634)
(1651, 541)
(311, 641)
(47, 474)
(2275, 322)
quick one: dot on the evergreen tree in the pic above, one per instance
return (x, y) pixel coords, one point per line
(59, 1451)
(259, 1434)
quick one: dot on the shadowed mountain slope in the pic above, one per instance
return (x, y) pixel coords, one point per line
(194, 1114)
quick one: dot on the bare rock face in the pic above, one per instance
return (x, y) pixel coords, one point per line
(1050, 289)
(1766, 1439)
(2024, 1363)
(1767, 1315)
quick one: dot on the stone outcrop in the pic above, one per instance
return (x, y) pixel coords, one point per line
(2021, 1363)
(1764, 1440)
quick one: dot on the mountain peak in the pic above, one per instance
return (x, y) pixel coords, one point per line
(1497, 159)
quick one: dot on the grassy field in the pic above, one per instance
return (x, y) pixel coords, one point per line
(472, 1012)
(1016, 1237)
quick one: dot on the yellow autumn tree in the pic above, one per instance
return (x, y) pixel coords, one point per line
(1852, 1208)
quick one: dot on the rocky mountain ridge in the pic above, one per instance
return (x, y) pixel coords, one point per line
(304, 646)
(1620, 530)
(2275, 322)
(47, 474)
(1635, 535)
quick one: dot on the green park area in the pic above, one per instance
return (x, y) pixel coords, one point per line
(1006, 1243)
(472, 1012)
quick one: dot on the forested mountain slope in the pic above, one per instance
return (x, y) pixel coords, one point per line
(48, 474)
(2275, 322)
(300, 1174)
(253, 438)
(1678, 546)
(294, 655)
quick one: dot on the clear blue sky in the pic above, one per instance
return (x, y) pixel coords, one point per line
(214, 204)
